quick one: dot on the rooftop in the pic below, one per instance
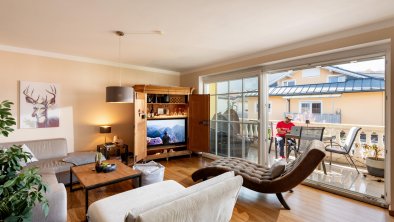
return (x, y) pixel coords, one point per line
(349, 86)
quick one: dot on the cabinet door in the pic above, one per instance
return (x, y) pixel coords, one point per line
(198, 129)
(139, 127)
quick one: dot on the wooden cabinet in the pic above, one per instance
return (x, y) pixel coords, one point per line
(170, 103)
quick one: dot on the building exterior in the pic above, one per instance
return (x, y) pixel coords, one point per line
(324, 95)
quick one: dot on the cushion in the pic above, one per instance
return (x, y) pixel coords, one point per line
(134, 212)
(49, 178)
(248, 170)
(44, 149)
(57, 165)
(214, 203)
(33, 158)
(114, 208)
(81, 158)
(277, 168)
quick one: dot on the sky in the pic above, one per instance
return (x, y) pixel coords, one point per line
(364, 66)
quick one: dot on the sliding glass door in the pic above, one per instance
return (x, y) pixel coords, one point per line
(234, 117)
(349, 92)
(338, 97)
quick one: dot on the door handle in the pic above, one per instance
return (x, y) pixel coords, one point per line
(204, 122)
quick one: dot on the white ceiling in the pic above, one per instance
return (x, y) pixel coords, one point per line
(197, 33)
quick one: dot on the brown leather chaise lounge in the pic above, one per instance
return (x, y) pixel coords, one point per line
(259, 178)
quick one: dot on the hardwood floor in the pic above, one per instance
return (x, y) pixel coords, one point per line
(307, 204)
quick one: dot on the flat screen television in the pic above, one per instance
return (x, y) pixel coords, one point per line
(166, 132)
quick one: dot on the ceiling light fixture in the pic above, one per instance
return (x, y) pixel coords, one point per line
(119, 94)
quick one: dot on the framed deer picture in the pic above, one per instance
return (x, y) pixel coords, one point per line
(38, 105)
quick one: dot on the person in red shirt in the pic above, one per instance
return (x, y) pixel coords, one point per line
(282, 128)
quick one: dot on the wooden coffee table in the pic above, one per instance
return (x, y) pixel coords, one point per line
(90, 179)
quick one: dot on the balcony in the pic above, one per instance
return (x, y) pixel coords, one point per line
(339, 174)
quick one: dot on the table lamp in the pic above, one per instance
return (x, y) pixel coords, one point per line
(105, 130)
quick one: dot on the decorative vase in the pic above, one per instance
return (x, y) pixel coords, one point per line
(98, 168)
(375, 167)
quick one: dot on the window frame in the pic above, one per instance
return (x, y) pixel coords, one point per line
(338, 76)
(286, 82)
(310, 102)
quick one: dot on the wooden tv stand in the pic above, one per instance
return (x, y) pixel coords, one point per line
(161, 102)
(167, 152)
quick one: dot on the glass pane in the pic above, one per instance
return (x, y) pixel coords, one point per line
(236, 86)
(212, 107)
(237, 141)
(316, 107)
(291, 83)
(222, 106)
(235, 111)
(251, 84)
(213, 138)
(250, 108)
(305, 107)
(222, 138)
(332, 79)
(251, 144)
(210, 88)
(222, 87)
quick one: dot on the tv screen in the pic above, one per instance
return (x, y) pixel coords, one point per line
(166, 132)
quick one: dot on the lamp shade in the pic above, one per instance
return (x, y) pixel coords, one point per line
(105, 129)
(119, 94)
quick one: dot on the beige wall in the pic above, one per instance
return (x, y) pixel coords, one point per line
(81, 97)
(252, 108)
(362, 108)
(278, 106)
(356, 108)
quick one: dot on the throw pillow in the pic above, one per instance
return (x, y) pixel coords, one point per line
(25, 148)
(277, 168)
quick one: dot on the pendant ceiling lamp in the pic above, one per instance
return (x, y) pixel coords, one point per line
(119, 94)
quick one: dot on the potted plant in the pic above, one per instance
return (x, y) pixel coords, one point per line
(374, 160)
(20, 189)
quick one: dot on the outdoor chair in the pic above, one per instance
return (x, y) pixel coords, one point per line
(307, 135)
(260, 178)
(345, 149)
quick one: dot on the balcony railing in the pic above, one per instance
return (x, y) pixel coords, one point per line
(368, 134)
(316, 118)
